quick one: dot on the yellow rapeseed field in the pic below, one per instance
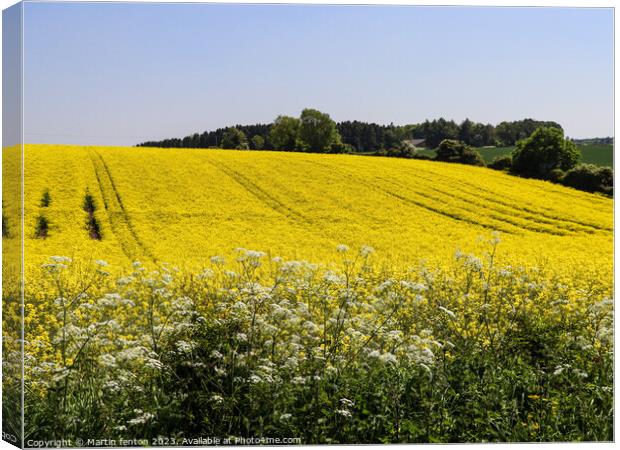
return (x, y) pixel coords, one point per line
(183, 206)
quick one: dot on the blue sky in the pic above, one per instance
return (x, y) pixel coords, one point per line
(118, 74)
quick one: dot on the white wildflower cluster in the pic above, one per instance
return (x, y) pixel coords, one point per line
(141, 417)
(58, 264)
(341, 248)
(249, 258)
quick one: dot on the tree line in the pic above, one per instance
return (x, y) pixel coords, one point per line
(315, 131)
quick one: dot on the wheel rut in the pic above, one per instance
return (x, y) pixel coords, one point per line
(119, 220)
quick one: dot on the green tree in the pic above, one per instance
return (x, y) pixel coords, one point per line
(317, 130)
(258, 142)
(436, 131)
(545, 150)
(284, 133)
(234, 139)
(465, 131)
(450, 150)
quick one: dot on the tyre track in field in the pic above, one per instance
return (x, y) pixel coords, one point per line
(418, 203)
(262, 195)
(439, 211)
(491, 213)
(494, 206)
(491, 196)
(499, 210)
(308, 224)
(120, 222)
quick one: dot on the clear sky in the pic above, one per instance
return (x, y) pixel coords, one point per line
(119, 74)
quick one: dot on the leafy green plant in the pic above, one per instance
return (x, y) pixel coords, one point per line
(41, 230)
(46, 199)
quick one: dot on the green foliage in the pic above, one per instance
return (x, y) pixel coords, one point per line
(235, 139)
(439, 130)
(317, 131)
(545, 150)
(555, 176)
(403, 150)
(340, 147)
(471, 156)
(258, 142)
(422, 156)
(449, 150)
(46, 199)
(92, 224)
(600, 155)
(41, 230)
(93, 227)
(367, 137)
(512, 132)
(503, 162)
(89, 204)
(590, 178)
(5, 226)
(284, 134)
(455, 151)
(476, 134)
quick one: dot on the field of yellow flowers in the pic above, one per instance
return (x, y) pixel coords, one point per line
(177, 294)
(183, 206)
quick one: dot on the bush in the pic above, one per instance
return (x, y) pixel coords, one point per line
(590, 178)
(501, 162)
(93, 227)
(340, 147)
(41, 228)
(46, 199)
(545, 150)
(5, 226)
(472, 157)
(449, 150)
(89, 203)
(556, 175)
(456, 151)
(402, 150)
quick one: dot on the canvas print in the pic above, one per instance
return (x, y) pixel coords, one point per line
(232, 224)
